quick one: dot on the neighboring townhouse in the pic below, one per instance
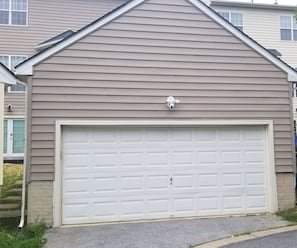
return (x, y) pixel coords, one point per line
(24, 26)
(272, 25)
(108, 140)
(6, 78)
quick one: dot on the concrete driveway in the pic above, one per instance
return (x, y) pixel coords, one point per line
(161, 234)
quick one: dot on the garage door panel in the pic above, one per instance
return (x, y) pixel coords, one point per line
(256, 202)
(123, 173)
(184, 206)
(158, 182)
(159, 207)
(233, 202)
(107, 184)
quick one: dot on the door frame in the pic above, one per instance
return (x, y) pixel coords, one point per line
(269, 151)
(9, 146)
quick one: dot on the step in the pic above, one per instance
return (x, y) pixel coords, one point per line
(18, 182)
(10, 213)
(15, 190)
(9, 205)
(12, 198)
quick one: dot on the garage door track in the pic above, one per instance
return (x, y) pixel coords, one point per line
(159, 234)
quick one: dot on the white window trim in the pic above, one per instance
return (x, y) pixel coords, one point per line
(229, 20)
(9, 63)
(269, 151)
(9, 151)
(9, 16)
(292, 29)
(294, 89)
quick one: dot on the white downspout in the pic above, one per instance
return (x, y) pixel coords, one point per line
(22, 220)
(23, 206)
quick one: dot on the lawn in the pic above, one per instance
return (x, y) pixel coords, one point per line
(30, 236)
(11, 174)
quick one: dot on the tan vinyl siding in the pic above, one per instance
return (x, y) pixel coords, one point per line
(263, 25)
(127, 69)
(50, 18)
(17, 100)
(47, 19)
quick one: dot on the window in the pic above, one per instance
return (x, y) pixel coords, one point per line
(288, 28)
(11, 62)
(294, 89)
(14, 137)
(233, 17)
(13, 12)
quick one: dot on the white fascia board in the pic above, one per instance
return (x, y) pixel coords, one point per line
(27, 67)
(7, 77)
(292, 74)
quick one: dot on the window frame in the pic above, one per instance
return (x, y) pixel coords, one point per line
(12, 69)
(230, 12)
(10, 10)
(10, 136)
(292, 29)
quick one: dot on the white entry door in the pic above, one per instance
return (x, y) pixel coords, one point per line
(136, 173)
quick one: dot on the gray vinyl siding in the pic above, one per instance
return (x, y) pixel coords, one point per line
(50, 18)
(17, 100)
(128, 68)
(47, 19)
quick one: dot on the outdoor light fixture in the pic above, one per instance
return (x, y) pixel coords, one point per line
(171, 102)
(9, 108)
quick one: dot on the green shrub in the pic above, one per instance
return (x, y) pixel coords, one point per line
(30, 237)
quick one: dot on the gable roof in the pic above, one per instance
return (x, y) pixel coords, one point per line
(26, 68)
(6, 76)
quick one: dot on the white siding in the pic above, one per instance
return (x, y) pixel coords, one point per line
(264, 27)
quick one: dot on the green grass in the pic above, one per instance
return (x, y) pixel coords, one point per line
(9, 224)
(30, 237)
(11, 174)
(289, 215)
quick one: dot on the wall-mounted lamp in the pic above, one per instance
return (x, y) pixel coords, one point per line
(9, 108)
(171, 102)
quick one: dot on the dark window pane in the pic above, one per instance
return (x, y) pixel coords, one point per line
(4, 17)
(295, 35)
(18, 87)
(18, 18)
(19, 5)
(4, 4)
(286, 34)
(285, 21)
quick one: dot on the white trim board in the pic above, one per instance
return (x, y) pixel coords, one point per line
(26, 68)
(270, 165)
(6, 76)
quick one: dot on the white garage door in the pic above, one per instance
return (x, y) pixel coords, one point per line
(136, 173)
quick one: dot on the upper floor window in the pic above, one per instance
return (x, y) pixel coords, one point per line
(11, 62)
(233, 17)
(288, 28)
(13, 12)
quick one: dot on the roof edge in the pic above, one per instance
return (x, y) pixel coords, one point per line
(292, 73)
(7, 76)
(26, 68)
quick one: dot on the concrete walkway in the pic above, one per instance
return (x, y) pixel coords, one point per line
(159, 234)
